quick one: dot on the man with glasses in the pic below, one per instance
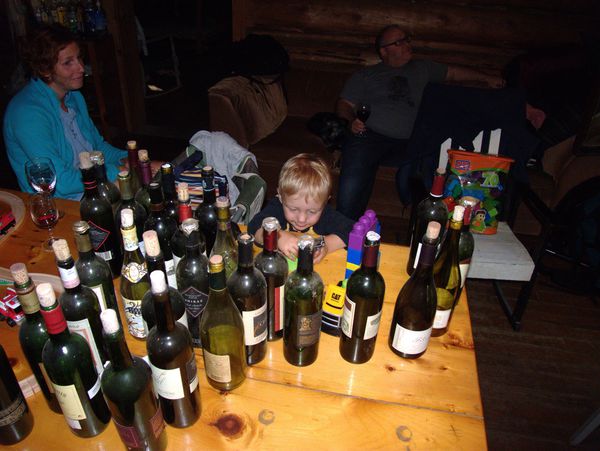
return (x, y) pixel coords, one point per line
(392, 91)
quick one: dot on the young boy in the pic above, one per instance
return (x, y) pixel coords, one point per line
(301, 206)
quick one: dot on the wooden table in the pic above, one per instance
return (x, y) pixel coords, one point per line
(387, 403)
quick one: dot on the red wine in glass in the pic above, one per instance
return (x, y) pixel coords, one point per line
(362, 114)
(44, 215)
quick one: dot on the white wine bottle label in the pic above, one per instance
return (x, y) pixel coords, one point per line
(133, 316)
(97, 289)
(410, 341)
(170, 268)
(417, 255)
(309, 327)
(168, 383)
(372, 326)
(255, 325)
(348, 317)
(73, 424)
(46, 378)
(441, 318)
(130, 239)
(95, 388)
(464, 272)
(218, 367)
(13, 412)
(194, 300)
(69, 277)
(106, 255)
(191, 371)
(70, 403)
(83, 328)
(134, 272)
(279, 303)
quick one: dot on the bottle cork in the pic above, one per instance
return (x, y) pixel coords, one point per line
(183, 193)
(123, 174)
(143, 155)
(433, 230)
(158, 281)
(222, 202)
(132, 144)
(458, 214)
(45, 294)
(85, 161)
(19, 273)
(151, 243)
(215, 264)
(61, 249)
(110, 323)
(126, 218)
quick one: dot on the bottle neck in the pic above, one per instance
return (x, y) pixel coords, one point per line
(209, 195)
(369, 257)
(426, 257)
(156, 262)
(270, 240)
(217, 281)
(130, 239)
(84, 246)
(437, 189)
(133, 159)
(100, 170)
(184, 211)
(68, 275)
(146, 172)
(56, 324)
(90, 185)
(305, 261)
(125, 187)
(118, 351)
(163, 312)
(192, 251)
(168, 184)
(28, 298)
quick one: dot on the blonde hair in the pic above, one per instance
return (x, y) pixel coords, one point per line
(305, 173)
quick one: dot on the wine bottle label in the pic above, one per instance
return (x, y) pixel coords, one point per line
(100, 295)
(440, 321)
(192, 373)
(195, 301)
(417, 255)
(70, 403)
(83, 328)
(170, 268)
(308, 327)
(218, 367)
(464, 272)
(46, 377)
(106, 255)
(133, 316)
(29, 302)
(255, 325)
(13, 412)
(372, 326)
(130, 239)
(130, 435)
(348, 317)
(279, 302)
(142, 247)
(69, 277)
(176, 260)
(168, 383)
(410, 341)
(134, 272)
(98, 237)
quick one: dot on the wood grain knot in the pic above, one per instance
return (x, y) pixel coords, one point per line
(230, 425)
(390, 368)
(455, 340)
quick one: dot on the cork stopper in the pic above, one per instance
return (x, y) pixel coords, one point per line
(143, 155)
(222, 202)
(80, 227)
(126, 218)
(132, 144)
(433, 230)
(440, 171)
(84, 160)
(458, 214)
(110, 323)
(123, 174)
(207, 168)
(97, 157)
(19, 273)
(45, 294)
(270, 224)
(158, 281)
(151, 243)
(61, 249)
(166, 167)
(215, 264)
(183, 193)
(189, 225)
(306, 241)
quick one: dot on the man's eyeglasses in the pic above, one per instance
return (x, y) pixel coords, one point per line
(396, 43)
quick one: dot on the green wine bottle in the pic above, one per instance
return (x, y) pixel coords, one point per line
(134, 277)
(446, 274)
(128, 201)
(127, 386)
(466, 246)
(248, 288)
(32, 333)
(222, 333)
(106, 188)
(362, 309)
(275, 269)
(225, 244)
(206, 212)
(168, 186)
(416, 303)
(79, 304)
(172, 361)
(70, 368)
(303, 308)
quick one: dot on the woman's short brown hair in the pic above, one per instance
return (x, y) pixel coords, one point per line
(305, 173)
(41, 52)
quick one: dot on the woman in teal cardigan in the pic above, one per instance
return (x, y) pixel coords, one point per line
(49, 117)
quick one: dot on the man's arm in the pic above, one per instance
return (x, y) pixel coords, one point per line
(345, 109)
(460, 73)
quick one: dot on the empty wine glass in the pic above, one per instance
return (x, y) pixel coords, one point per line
(42, 176)
(363, 111)
(44, 214)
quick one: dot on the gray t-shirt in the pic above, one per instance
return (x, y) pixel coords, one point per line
(393, 93)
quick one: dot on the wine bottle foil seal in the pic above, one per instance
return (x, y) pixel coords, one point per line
(61, 249)
(270, 224)
(189, 225)
(373, 236)
(19, 273)
(306, 242)
(97, 157)
(80, 227)
(151, 243)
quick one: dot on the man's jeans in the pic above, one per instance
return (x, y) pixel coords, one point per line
(361, 156)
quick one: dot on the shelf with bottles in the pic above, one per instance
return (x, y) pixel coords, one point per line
(85, 18)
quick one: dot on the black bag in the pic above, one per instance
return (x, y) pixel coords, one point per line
(258, 55)
(330, 128)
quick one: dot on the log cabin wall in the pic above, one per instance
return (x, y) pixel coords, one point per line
(482, 34)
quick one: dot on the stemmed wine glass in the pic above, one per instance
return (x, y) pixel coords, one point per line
(44, 214)
(42, 176)
(363, 111)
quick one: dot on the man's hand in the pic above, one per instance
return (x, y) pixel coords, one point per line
(358, 126)
(287, 243)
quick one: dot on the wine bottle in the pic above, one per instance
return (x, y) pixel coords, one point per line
(248, 288)
(179, 239)
(273, 266)
(142, 196)
(32, 333)
(303, 308)
(97, 212)
(127, 386)
(466, 246)
(432, 208)
(93, 271)
(168, 186)
(416, 303)
(106, 188)
(222, 332)
(192, 279)
(71, 370)
(79, 304)
(16, 420)
(128, 201)
(225, 244)
(134, 167)
(165, 228)
(446, 274)
(206, 213)
(362, 309)
(155, 261)
(172, 361)
(134, 277)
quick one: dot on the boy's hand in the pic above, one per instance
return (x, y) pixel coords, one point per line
(287, 243)
(320, 253)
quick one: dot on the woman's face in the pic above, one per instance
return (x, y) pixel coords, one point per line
(67, 74)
